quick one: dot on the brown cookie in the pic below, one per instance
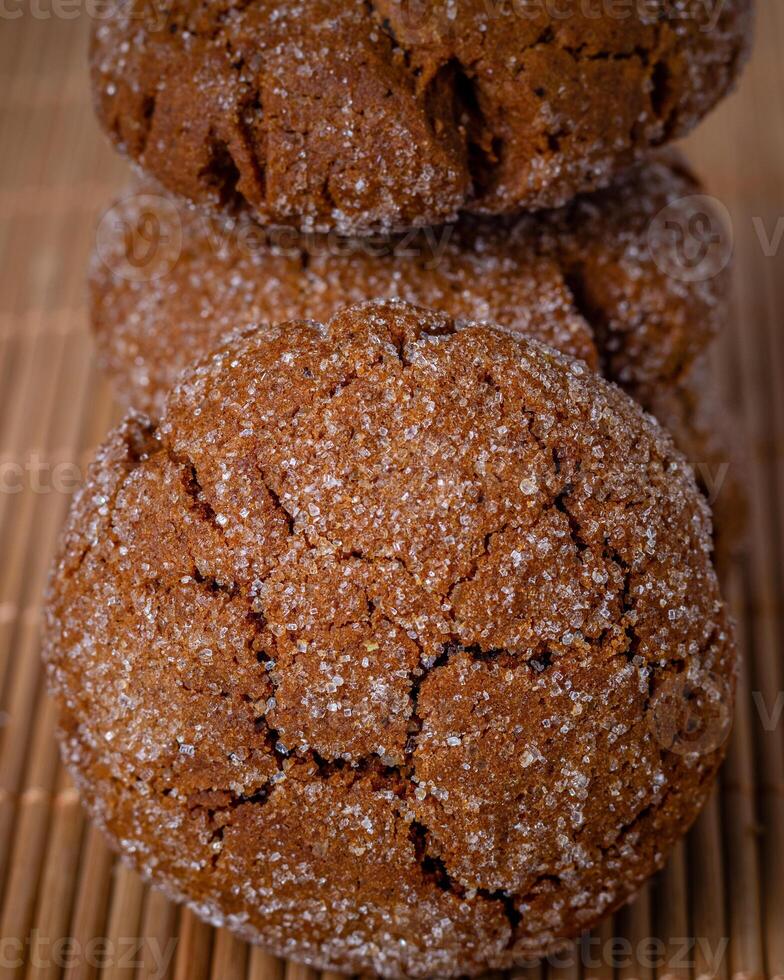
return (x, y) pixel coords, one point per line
(396, 647)
(349, 115)
(598, 280)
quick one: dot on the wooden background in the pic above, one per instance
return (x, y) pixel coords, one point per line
(65, 907)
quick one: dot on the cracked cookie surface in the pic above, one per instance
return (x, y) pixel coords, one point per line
(358, 115)
(396, 646)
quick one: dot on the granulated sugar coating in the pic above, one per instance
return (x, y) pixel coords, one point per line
(581, 279)
(353, 115)
(396, 647)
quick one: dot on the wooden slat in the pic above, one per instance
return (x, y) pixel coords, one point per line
(58, 882)
(229, 957)
(159, 930)
(298, 971)
(262, 966)
(707, 885)
(193, 949)
(635, 925)
(741, 827)
(122, 934)
(672, 918)
(93, 887)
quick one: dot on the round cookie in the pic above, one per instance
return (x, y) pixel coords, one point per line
(347, 115)
(583, 279)
(431, 610)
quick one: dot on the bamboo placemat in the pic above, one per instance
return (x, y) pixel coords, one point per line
(66, 908)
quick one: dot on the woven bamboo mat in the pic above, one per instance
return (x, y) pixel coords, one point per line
(66, 908)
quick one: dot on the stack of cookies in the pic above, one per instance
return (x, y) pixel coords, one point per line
(386, 630)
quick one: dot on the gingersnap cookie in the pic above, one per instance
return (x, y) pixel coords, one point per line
(395, 647)
(599, 279)
(341, 114)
